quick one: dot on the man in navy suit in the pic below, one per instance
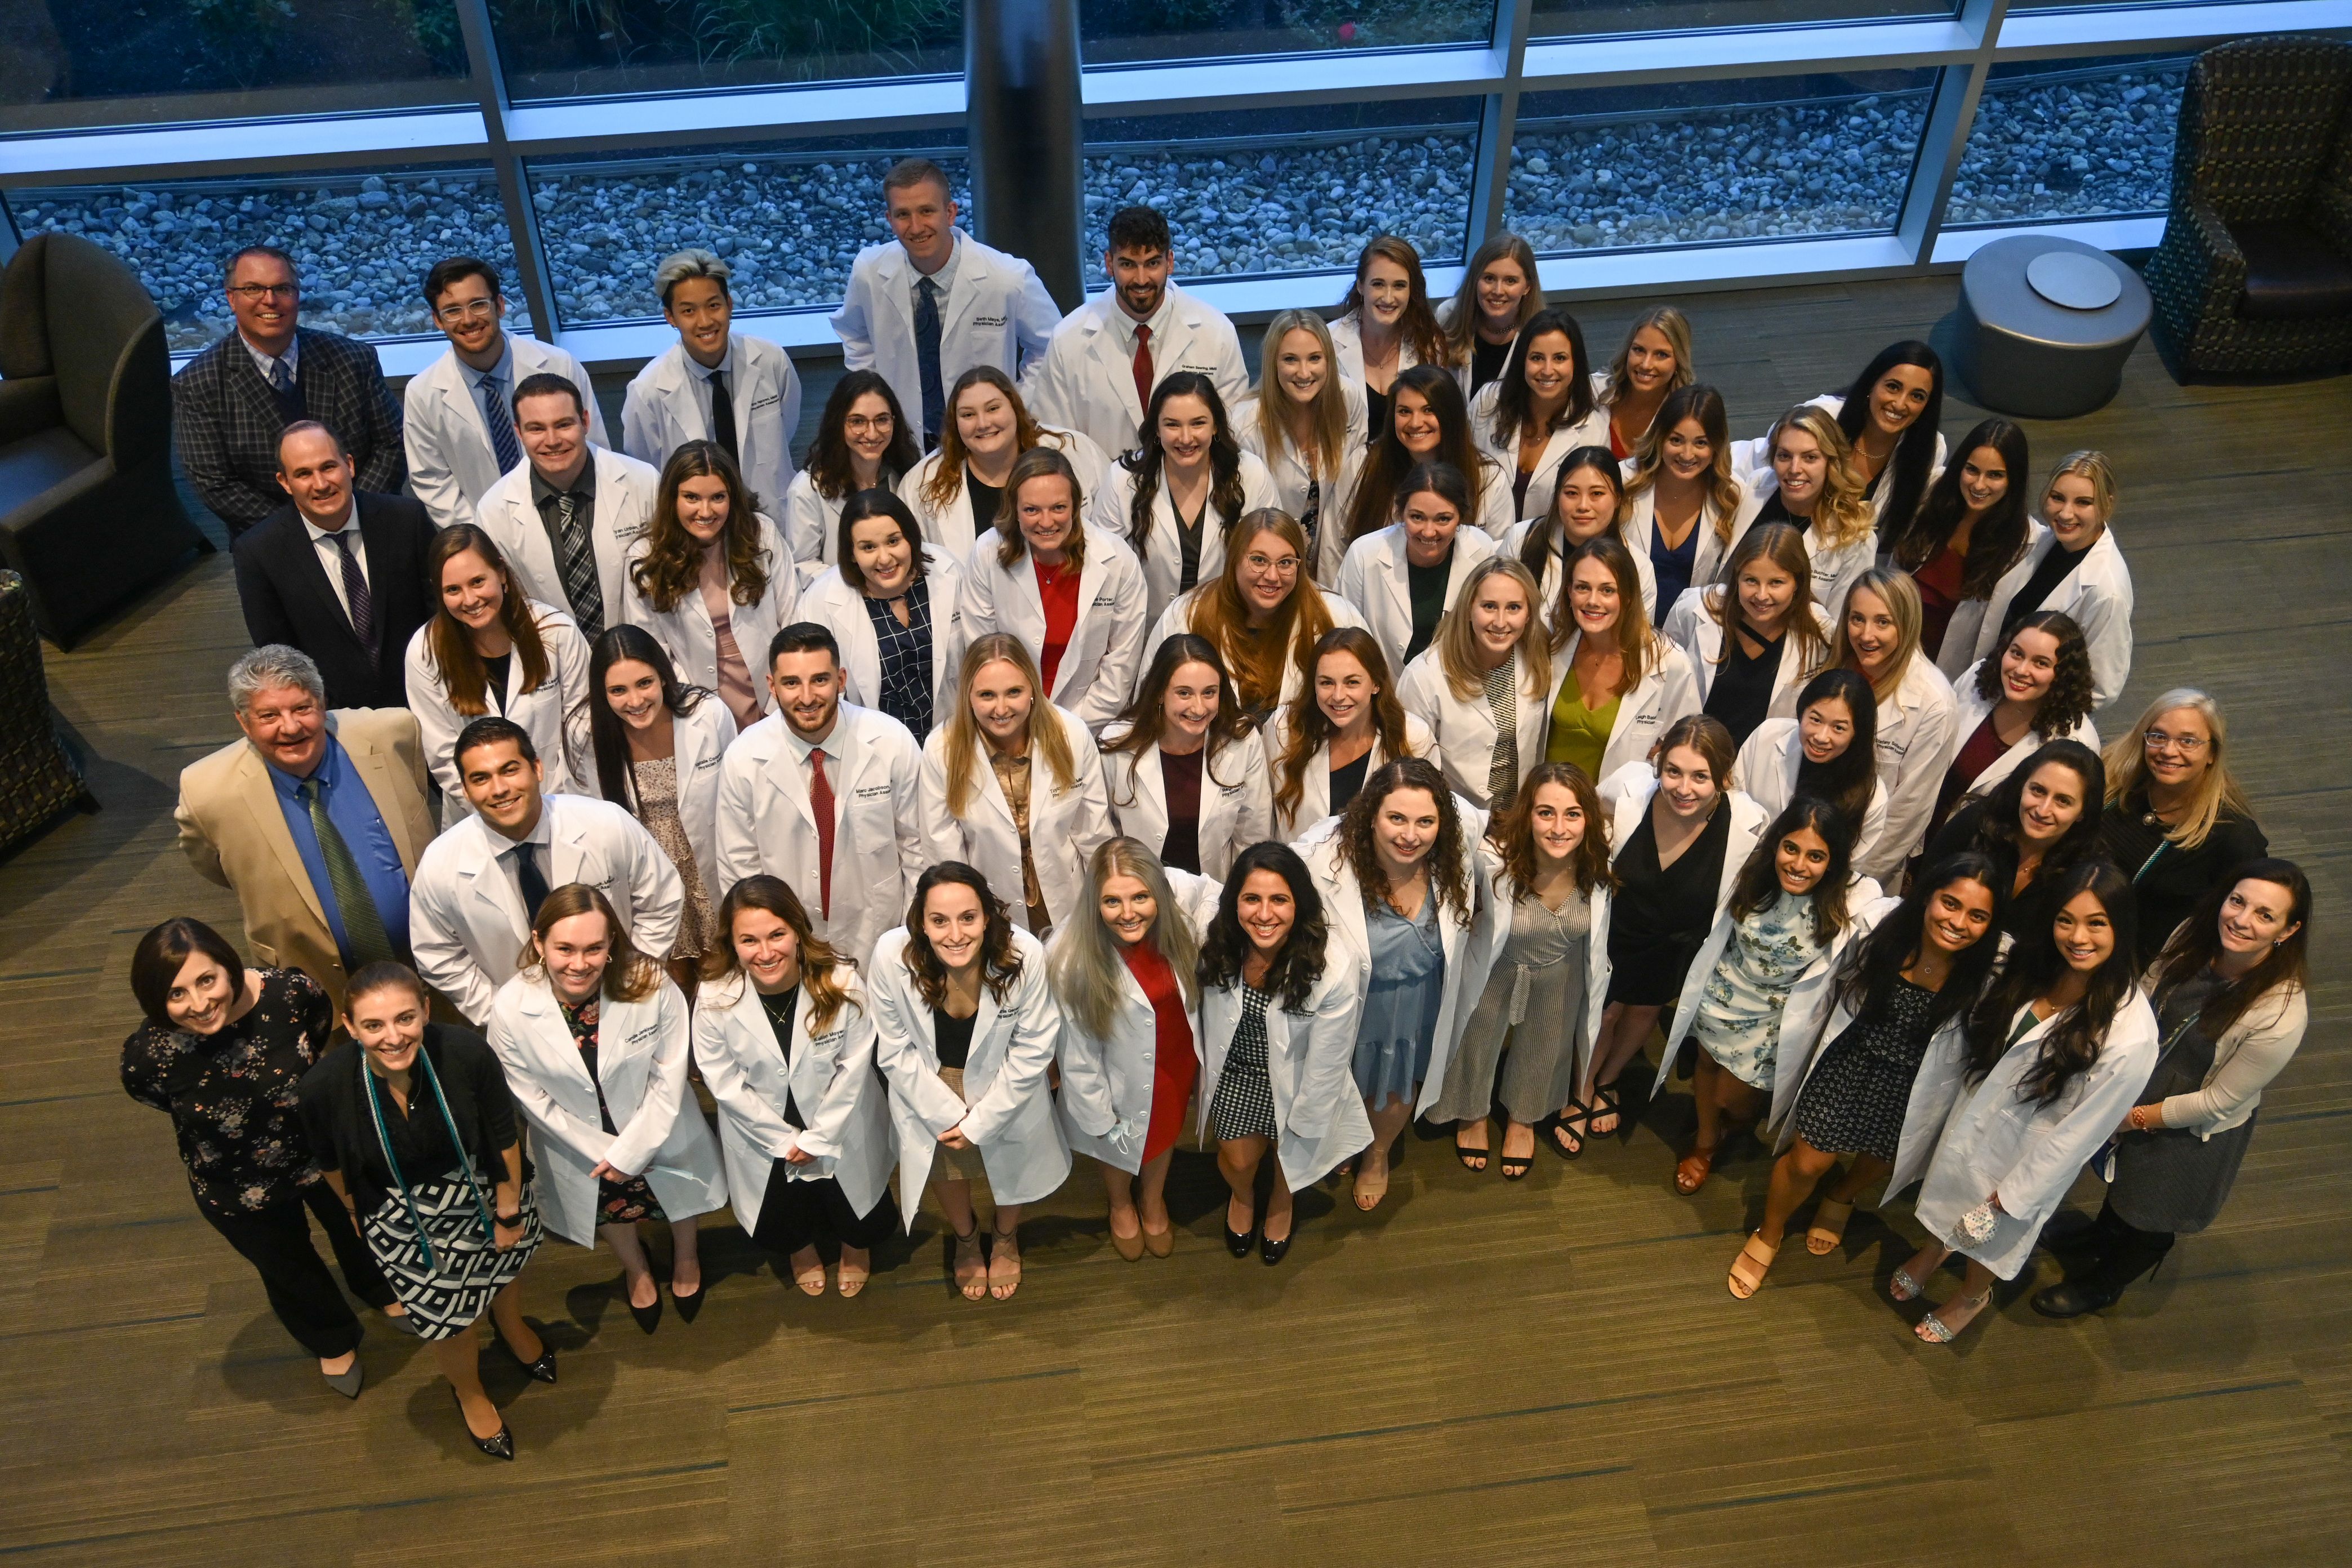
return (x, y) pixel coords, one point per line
(234, 399)
(336, 572)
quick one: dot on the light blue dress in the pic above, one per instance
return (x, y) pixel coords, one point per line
(1400, 1020)
(1739, 1011)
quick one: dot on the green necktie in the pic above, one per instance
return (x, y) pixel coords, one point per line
(363, 925)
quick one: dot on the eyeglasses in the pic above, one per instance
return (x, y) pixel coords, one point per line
(860, 424)
(251, 292)
(2187, 745)
(467, 310)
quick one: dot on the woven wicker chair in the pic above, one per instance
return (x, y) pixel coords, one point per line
(2253, 279)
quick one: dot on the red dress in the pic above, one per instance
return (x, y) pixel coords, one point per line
(1173, 1065)
(1057, 592)
(1940, 595)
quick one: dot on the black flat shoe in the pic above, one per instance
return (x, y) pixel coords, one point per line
(689, 1307)
(539, 1371)
(500, 1446)
(646, 1317)
(1271, 1252)
(2071, 1300)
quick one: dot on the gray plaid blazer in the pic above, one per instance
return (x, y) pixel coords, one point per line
(229, 422)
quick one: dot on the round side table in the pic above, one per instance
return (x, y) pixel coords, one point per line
(2046, 325)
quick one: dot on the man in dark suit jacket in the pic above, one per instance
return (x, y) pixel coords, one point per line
(234, 398)
(336, 573)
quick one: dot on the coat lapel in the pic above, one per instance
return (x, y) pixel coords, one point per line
(260, 797)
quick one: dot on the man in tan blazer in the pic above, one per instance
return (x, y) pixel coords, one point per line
(315, 820)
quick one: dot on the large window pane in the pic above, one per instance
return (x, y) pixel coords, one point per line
(1570, 18)
(279, 55)
(1115, 30)
(790, 218)
(362, 240)
(1270, 191)
(572, 48)
(1693, 162)
(2071, 139)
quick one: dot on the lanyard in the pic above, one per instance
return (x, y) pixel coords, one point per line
(376, 1112)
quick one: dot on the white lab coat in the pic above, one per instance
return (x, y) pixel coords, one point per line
(812, 523)
(950, 524)
(1808, 993)
(1374, 578)
(1318, 1117)
(626, 491)
(1098, 667)
(466, 919)
(1163, 557)
(841, 609)
(1066, 826)
(1667, 690)
(1555, 562)
(2098, 594)
(664, 409)
(995, 312)
(1969, 708)
(1236, 799)
(1996, 1143)
(1315, 782)
(555, 715)
(1543, 479)
(1348, 343)
(1087, 379)
(1492, 930)
(698, 741)
(1349, 955)
(1767, 772)
(1753, 457)
(844, 1106)
(1009, 1112)
(1178, 618)
(1640, 531)
(1835, 568)
(1464, 729)
(1107, 1083)
(1694, 628)
(1806, 1035)
(685, 630)
(452, 463)
(641, 1056)
(1918, 735)
(766, 824)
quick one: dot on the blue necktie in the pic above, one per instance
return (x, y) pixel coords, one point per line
(502, 430)
(926, 358)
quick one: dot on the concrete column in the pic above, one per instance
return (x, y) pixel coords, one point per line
(1021, 79)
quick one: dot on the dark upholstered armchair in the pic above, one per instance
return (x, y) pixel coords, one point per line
(87, 511)
(2253, 279)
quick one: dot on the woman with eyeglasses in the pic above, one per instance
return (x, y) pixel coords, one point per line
(2176, 821)
(862, 443)
(1262, 614)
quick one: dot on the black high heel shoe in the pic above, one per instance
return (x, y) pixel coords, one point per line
(1237, 1242)
(500, 1446)
(646, 1317)
(689, 1307)
(1271, 1252)
(539, 1371)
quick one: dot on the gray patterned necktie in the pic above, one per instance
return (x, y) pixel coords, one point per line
(1502, 762)
(579, 567)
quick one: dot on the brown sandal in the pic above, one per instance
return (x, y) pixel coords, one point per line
(1691, 1172)
(1822, 1237)
(1752, 1251)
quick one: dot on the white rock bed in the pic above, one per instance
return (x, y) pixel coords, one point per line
(2080, 148)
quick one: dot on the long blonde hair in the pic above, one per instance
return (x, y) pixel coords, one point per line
(964, 741)
(1844, 513)
(1893, 585)
(1328, 416)
(2127, 764)
(1082, 962)
(1670, 324)
(1456, 643)
(1219, 615)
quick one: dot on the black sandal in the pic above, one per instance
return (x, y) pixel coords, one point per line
(1568, 1141)
(1467, 1154)
(1606, 1102)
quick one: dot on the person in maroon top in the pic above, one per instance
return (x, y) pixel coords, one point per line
(2038, 690)
(1971, 527)
(1131, 1051)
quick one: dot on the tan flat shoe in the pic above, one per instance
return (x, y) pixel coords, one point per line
(1130, 1247)
(1759, 1257)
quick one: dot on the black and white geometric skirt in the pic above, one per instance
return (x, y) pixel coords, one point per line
(452, 1292)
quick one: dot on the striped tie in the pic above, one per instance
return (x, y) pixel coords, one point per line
(579, 567)
(364, 939)
(502, 430)
(1502, 762)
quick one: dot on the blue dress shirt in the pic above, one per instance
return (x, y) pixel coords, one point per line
(354, 812)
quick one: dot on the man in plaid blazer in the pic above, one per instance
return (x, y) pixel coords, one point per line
(233, 400)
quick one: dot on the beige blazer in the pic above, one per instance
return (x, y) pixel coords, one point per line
(232, 833)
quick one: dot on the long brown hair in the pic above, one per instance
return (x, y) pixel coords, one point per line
(1040, 463)
(2192, 949)
(464, 677)
(1513, 415)
(1144, 721)
(1784, 546)
(1462, 320)
(1373, 506)
(1149, 458)
(1309, 728)
(946, 475)
(1449, 857)
(830, 467)
(1000, 958)
(964, 741)
(820, 959)
(1257, 663)
(1638, 644)
(1704, 404)
(1512, 830)
(629, 974)
(671, 567)
(1417, 327)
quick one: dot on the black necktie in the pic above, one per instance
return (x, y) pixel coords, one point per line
(722, 416)
(355, 586)
(530, 880)
(927, 357)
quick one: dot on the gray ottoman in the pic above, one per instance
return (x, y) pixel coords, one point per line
(2046, 324)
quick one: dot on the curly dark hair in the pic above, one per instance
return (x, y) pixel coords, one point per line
(2069, 700)
(1449, 871)
(1000, 960)
(2071, 1046)
(1297, 968)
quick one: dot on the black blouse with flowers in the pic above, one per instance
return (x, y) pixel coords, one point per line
(232, 1096)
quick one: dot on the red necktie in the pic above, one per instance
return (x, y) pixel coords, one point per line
(821, 802)
(1143, 369)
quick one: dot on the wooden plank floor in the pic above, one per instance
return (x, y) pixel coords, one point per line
(1544, 1373)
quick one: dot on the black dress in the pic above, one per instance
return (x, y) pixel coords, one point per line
(1741, 693)
(2169, 1179)
(2168, 879)
(796, 1214)
(1660, 916)
(1858, 1093)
